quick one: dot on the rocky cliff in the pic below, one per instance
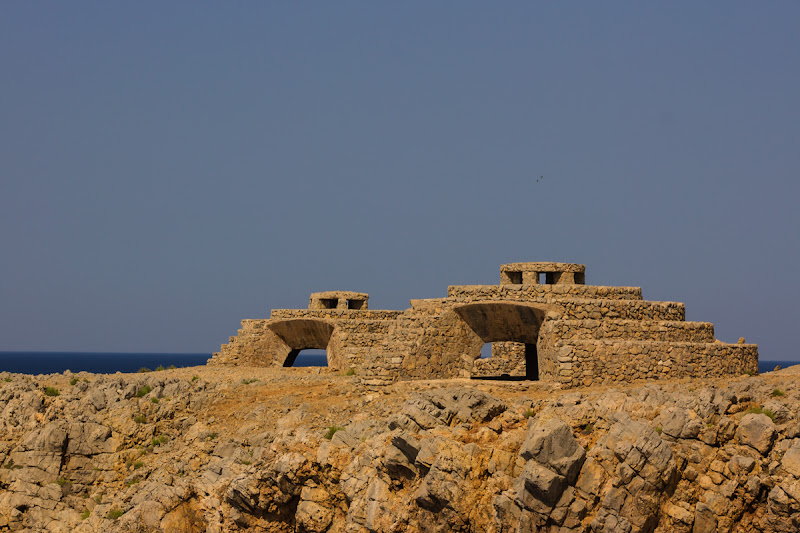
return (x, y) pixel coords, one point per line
(260, 449)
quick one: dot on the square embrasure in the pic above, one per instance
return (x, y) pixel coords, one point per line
(329, 303)
(355, 304)
(514, 277)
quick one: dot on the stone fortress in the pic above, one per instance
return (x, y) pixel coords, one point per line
(544, 324)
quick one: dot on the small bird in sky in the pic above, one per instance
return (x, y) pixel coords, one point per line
(539, 179)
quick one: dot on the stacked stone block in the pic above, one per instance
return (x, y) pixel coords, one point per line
(541, 315)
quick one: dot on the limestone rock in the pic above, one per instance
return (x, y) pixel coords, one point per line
(791, 459)
(550, 442)
(757, 431)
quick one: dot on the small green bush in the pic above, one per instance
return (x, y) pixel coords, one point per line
(73, 381)
(51, 391)
(154, 400)
(157, 441)
(762, 411)
(144, 370)
(6, 379)
(115, 513)
(332, 431)
(144, 390)
(245, 462)
(62, 481)
(777, 392)
(248, 381)
(85, 514)
(212, 436)
(528, 413)
(137, 465)
(350, 372)
(171, 367)
(659, 430)
(134, 481)
(195, 378)
(139, 419)
(587, 428)
(750, 373)
(159, 368)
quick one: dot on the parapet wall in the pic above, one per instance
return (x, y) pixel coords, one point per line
(542, 326)
(591, 362)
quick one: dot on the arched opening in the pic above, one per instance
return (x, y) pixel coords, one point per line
(307, 357)
(512, 332)
(306, 342)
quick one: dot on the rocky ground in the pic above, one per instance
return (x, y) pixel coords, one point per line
(256, 449)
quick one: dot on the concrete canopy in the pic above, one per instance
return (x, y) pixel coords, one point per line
(503, 321)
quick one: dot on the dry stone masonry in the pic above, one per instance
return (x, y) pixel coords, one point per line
(543, 321)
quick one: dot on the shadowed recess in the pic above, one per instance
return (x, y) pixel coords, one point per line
(303, 333)
(500, 321)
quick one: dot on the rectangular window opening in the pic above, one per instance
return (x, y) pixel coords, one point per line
(329, 303)
(514, 277)
(355, 304)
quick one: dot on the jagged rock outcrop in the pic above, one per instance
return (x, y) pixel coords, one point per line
(245, 449)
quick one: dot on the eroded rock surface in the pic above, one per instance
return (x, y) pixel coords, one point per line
(257, 449)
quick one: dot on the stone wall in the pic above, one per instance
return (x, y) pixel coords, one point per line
(590, 362)
(583, 334)
(541, 292)
(507, 358)
(666, 331)
(335, 314)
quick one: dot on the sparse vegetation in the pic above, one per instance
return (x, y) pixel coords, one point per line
(51, 391)
(332, 431)
(159, 368)
(778, 392)
(171, 367)
(159, 440)
(6, 379)
(350, 372)
(114, 514)
(154, 400)
(658, 429)
(143, 370)
(528, 413)
(761, 411)
(587, 428)
(139, 419)
(73, 381)
(85, 514)
(246, 381)
(134, 481)
(143, 391)
(212, 436)
(750, 373)
(137, 465)
(195, 378)
(62, 481)
(245, 462)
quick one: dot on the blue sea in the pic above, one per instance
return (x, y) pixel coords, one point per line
(108, 363)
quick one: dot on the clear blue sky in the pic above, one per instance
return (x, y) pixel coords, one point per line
(169, 168)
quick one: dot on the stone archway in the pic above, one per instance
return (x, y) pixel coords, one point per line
(514, 324)
(298, 334)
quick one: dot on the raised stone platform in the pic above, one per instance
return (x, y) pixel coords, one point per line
(542, 320)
